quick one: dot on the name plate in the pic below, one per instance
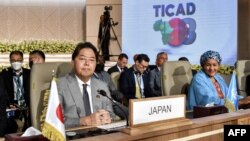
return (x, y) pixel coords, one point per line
(149, 110)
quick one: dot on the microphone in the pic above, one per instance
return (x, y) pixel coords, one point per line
(103, 93)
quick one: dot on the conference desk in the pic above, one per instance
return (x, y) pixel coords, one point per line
(205, 129)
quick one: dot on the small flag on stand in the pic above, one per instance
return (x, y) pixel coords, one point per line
(231, 101)
(53, 127)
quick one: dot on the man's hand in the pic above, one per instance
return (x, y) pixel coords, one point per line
(98, 118)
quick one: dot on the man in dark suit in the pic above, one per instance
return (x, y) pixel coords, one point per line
(154, 75)
(78, 91)
(17, 84)
(3, 105)
(121, 64)
(36, 57)
(133, 82)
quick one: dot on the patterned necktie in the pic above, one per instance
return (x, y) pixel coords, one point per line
(86, 100)
(137, 86)
(19, 93)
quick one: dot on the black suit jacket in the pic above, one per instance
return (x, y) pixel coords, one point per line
(7, 76)
(3, 105)
(115, 69)
(127, 84)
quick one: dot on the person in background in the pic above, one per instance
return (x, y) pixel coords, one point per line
(36, 56)
(121, 64)
(155, 74)
(3, 105)
(186, 59)
(207, 86)
(135, 56)
(78, 91)
(17, 84)
(134, 82)
(183, 59)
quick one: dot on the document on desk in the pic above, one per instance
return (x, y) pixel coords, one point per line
(113, 126)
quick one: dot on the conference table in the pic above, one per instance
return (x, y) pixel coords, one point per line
(205, 129)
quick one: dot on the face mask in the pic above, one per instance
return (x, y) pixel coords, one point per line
(16, 65)
(31, 63)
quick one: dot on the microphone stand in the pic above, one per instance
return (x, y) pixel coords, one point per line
(103, 93)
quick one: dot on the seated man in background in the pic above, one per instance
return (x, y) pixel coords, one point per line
(134, 82)
(121, 64)
(155, 74)
(207, 85)
(35, 57)
(183, 59)
(78, 91)
(16, 80)
(186, 59)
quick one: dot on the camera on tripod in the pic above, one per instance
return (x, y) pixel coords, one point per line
(106, 25)
(106, 13)
(107, 8)
(107, 18)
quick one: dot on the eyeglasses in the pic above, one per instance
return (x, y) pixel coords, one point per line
(143, 66)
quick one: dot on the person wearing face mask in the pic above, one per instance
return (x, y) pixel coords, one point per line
(36, 57)
(16, 80)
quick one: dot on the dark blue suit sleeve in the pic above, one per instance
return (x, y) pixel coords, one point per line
(126, 85)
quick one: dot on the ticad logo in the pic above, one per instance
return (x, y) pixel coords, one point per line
(176, 31)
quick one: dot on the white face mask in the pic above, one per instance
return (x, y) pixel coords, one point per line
(16, 65)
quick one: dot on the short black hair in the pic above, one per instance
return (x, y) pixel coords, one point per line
(142, 57)
(122, 55)
(16, 52)
(81, 46)
(183, 59)
(160, 53)
(38, 52)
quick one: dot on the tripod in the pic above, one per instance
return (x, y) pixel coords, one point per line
(104, 35)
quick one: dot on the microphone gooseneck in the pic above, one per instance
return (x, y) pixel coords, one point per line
(103, 93)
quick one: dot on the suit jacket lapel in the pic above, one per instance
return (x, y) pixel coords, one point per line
(96, 98)
(158, 80)
(75, 92)
(10, 83)
(116, 68)
(132, 76)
